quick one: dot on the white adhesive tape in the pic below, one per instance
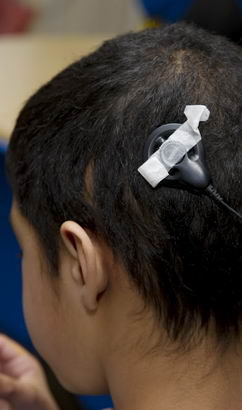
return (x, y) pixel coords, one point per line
(157, 167)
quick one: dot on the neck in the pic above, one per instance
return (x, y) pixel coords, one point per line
(201, 379)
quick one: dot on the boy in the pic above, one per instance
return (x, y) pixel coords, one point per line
(128, 289)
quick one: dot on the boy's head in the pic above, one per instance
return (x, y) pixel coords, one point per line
(110, 243)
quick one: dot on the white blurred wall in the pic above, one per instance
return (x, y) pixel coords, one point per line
(86, 16)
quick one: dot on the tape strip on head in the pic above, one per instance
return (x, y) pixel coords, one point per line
(157, 167)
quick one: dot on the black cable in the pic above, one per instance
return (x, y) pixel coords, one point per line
(212, 192)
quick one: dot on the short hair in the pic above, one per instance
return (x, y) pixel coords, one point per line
(74, 155)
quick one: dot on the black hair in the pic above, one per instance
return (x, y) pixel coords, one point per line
(74, 155)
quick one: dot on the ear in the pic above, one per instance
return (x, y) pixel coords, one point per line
(87, 269)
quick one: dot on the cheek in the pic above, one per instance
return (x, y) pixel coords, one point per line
(31, 293)
(36, 305)
(42, 316)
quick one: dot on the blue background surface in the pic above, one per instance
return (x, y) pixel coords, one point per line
(170, 10)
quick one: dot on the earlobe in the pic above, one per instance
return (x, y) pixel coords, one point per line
(95, 280)
(87, 269)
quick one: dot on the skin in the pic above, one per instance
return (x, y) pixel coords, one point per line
(90, 325)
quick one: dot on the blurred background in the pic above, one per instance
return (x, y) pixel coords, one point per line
(116, 16)
(71, 16)
(37, 39)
